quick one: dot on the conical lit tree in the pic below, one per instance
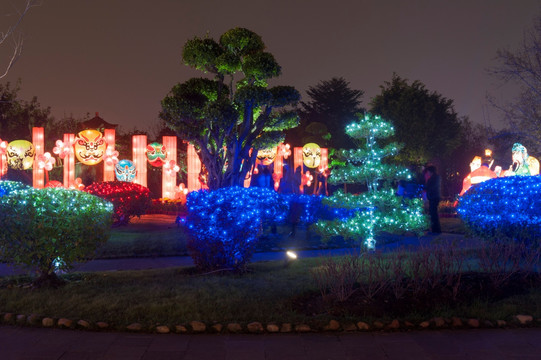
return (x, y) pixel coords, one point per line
(378, 209)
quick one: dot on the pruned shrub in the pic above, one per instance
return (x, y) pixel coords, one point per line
(52, 228)
(507, 207)
(223, 225)
(7, 187)
(128, 199)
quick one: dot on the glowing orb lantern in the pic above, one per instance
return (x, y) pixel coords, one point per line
(90, 147)
(311, 155)
(20, 154)
(125, 171)
(156, 154)
(266, 156)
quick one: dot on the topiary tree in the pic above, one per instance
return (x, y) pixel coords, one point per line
(128, 199)
(379, 208)
(225, 117)
(224, 225)
(52, 228)
(507, 207)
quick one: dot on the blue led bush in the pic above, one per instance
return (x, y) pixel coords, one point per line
(504, 207)
(6, 187)
(223, 225)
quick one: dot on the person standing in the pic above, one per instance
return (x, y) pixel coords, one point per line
(433, 195)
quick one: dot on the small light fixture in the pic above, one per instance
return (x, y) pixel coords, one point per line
(290, 257)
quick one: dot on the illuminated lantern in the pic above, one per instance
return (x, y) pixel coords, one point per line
(20, 154)
(311, 155)
(54, 184)
(125, 171)
(266, 156)
(90, 147)
(156, 154)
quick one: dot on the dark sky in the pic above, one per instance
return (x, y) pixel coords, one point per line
(121, 57)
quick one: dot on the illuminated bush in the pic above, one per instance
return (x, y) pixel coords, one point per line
(224, 224)
(52, 227)
(509, 206)
(128, 199)
(6, 187)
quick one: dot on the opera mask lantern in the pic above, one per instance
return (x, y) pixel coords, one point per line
(156, 154)
(311, 155)
(90, 146)
(266, 156)
(20, 154)
(125, 171)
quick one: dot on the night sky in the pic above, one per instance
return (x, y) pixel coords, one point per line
(120, 57)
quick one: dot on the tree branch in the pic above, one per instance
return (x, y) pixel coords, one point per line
(17, 40)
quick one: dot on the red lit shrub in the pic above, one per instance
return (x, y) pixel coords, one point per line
(128, 199)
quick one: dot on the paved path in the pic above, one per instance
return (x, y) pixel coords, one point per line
(176, 261)
(53, 344)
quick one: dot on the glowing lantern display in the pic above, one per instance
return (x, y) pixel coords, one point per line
(3, 161)
(156, 154)
(266, 156)
(20, 154)
(90, 147)
(125, 171)
(54, 184)
(311, 155)
(46, 161)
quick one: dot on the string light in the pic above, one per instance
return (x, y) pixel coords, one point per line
(129, 199)
(378, 209)
(509, 206)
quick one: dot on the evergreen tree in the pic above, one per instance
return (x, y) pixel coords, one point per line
(379, 208)
(331, 105)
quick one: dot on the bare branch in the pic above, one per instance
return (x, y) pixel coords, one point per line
(17, 39)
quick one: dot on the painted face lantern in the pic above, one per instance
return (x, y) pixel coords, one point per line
(311, 155)
(266, 156)
(156, 154)
(20, 154)
(90, 146)
(125, 171)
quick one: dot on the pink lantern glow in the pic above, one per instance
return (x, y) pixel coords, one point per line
(170, 167)
(3, 160)
(194, 168)
(69, 160)
(110, 158)
(45, 161)
(38, 171)
(139, 158)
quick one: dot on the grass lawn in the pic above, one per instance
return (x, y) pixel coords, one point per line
(158, 235)
(268, 292)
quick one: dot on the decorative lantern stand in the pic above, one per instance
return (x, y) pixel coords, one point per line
(169, 178)
(109, 166)
(39, 144)
(69, 162)
(139, 158)
(194, 168)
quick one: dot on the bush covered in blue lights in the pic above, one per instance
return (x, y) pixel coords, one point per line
(508, 207)
(7, 187)
(224, 224)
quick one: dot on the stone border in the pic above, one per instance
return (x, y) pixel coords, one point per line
(198, 327)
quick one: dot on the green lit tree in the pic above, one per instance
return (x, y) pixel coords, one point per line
(379, 208)
(236, 111)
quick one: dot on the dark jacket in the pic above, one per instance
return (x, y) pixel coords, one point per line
(433, 188)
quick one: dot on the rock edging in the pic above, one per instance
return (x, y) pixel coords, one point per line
(255, 327)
